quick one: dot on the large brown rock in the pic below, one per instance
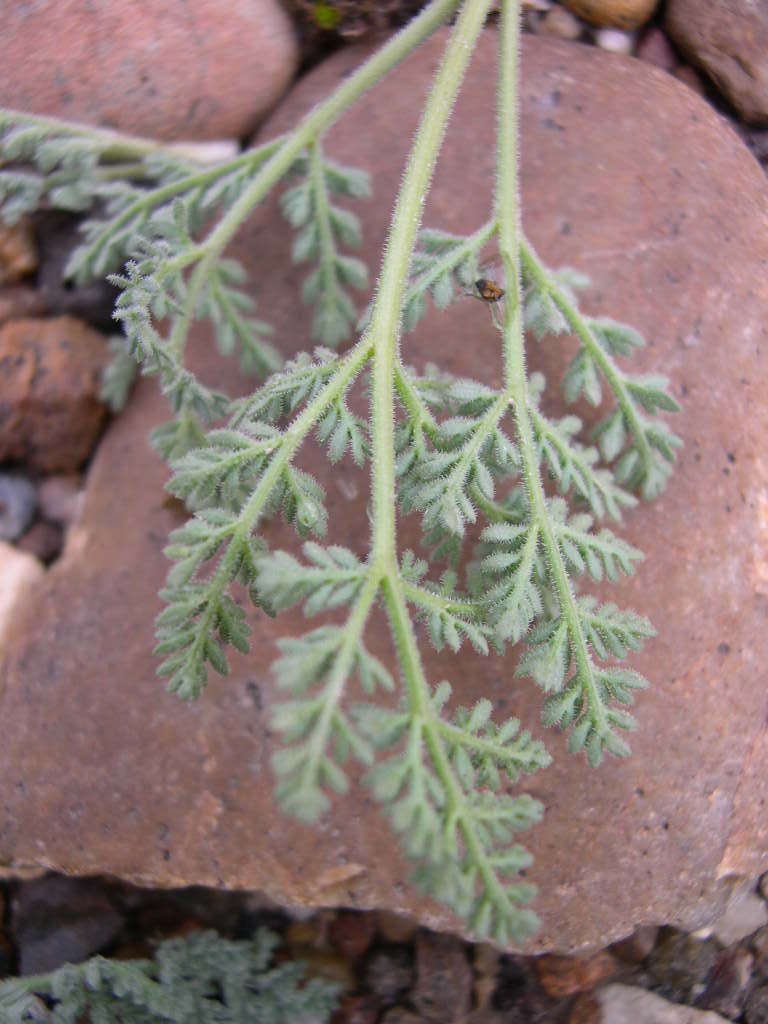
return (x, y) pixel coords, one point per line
(182, 69)
(729, 40)
(633, 178)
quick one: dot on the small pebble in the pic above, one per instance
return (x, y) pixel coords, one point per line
(728, 982)
(395, 927)
(680, 966)
(47, 931)
(18, 253)
(388, 972)
(655, 48)
(636, 947)
(745, 913)
(60, 497)
(43, 540)
(18, 570)
(443, 987)
(756, 1010)
(356, 1009)
(400, 1015)
(614, 40)
(351, 933)
(560, 23)
(562, 976)
(18, 502)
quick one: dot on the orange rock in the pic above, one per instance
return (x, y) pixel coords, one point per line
(626, 14)
(50, 374)
(562, 976)
(18, 254)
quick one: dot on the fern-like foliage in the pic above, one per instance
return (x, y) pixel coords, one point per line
(200, 979)
(69, 166)
(470, 452)
(443, 792)
(322, 228)
(473, 462)
(640, 446)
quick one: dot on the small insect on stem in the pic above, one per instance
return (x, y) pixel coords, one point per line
(490, 292)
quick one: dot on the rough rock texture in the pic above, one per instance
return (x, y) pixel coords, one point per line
(613, 13)
(729, 40)
(634, 179)
(177, 70)
(50, 412)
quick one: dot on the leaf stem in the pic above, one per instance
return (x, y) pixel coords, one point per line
(388, 304)
(348, 368)
(507, 206)
(333, 691)
(432, 601)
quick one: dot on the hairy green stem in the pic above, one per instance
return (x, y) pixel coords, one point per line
(434, 602)
(333, 691)
(413, 403)
(321, 202)
(385, 330)
(507, 206)
(388, 304)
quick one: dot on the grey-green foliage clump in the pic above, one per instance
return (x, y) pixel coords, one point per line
(534, 500)
(200, 979)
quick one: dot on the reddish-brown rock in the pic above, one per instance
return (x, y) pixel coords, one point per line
(50, 376)
(634, 179)
(655, 48)
(18, 255)
(562, 976)
(182, 69)
(729, 40)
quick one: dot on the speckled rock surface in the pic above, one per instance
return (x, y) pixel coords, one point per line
(181, 69)
(729, 40)
(631, 177)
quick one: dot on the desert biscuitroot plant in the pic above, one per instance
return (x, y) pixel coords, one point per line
(453, 451)
(200, 979)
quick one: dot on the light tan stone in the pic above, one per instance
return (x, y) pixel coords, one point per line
(18, 572)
